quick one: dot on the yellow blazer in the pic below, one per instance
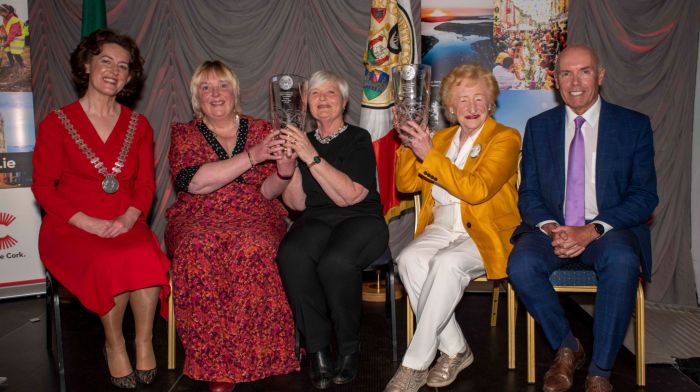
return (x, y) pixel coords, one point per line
(487, 187)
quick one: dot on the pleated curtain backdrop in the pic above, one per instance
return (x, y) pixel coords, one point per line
(257, 38)
(649, 48)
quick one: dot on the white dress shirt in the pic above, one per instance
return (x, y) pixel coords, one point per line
(589, 130)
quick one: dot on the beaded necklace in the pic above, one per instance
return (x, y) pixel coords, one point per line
(327, 139)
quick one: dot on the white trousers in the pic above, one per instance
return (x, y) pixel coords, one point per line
(435, 269)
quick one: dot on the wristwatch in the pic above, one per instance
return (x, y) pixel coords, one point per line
(600, 229)
(315, 161)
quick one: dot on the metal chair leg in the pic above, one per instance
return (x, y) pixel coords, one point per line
(409, 322)
(530, 349)
(512, 313)
(640, 349)
(53, 320)
(171, 329)
(392, 304)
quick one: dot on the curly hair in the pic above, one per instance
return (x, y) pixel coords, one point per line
(92, 46)
(469, 74)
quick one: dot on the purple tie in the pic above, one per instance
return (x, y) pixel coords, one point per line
(574, 210)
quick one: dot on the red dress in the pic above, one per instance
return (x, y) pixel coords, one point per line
(96, 269)
(231, 310)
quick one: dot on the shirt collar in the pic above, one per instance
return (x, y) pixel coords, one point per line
(455, 138)
(592, 115)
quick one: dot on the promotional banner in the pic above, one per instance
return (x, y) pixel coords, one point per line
(517, 39)
(21, 271)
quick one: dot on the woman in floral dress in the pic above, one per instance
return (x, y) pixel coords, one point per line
(223, 232)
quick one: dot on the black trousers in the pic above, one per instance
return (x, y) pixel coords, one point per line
(321, 262)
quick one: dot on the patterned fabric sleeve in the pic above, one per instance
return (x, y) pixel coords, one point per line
(183, 155)
(184, 177)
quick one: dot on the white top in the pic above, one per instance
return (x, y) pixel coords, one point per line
(447, 211)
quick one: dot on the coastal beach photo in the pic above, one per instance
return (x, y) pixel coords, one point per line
(454, 33)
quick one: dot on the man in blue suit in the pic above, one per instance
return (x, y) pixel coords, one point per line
(588, 188)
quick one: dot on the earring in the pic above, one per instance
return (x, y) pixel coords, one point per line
(452, 111)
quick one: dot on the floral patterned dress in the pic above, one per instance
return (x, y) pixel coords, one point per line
(231, 310)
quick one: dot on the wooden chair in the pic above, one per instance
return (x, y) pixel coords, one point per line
(512, 303)
(579, 278)
(54, 332)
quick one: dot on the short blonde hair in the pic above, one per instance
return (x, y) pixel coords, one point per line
(468, 74)
(223, 72)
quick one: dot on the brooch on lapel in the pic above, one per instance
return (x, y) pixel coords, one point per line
(475, 151)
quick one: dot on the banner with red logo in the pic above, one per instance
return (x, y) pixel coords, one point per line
(21, 271)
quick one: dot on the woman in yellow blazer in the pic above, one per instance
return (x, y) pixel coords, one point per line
(467, 177)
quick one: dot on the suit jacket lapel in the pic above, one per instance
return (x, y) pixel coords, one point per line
(605, 150)
(557, 147)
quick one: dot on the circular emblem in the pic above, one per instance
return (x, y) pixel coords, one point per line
(475, 151)
(110, 184)
(286, 82)
(408, 72)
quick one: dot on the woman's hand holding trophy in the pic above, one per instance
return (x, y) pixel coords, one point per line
(412, 106)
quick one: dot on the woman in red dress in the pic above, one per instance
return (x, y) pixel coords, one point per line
(223, 232)
(93, 176)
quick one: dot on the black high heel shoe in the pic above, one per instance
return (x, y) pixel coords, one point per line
(321, 369)
(347, 368)
(125, 382)
(145, 376)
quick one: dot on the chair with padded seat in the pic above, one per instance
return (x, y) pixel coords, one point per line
(580, 278)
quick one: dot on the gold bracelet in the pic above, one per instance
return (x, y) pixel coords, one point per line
(250, 158)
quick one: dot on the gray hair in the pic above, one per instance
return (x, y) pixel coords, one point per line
(323, 76)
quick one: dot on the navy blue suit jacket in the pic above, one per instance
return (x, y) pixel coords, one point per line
(625, 174)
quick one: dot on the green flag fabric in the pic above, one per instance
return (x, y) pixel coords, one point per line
(94, 16)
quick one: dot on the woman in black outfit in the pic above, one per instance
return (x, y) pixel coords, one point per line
(340, 232)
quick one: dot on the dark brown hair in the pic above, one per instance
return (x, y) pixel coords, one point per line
(92, 46)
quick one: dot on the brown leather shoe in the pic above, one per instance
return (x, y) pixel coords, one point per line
(560, 375)
(598, 384)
